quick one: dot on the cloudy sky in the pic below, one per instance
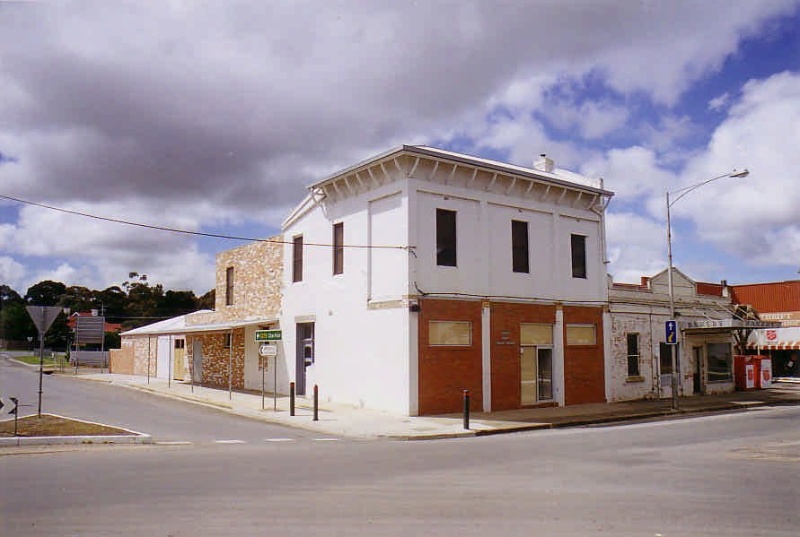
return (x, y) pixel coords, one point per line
(213, 116)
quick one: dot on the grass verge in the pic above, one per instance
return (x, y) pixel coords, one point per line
(49, 425)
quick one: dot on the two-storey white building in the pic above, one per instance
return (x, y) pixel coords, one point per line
(421, 273)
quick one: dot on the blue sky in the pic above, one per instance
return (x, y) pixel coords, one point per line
(214, 116)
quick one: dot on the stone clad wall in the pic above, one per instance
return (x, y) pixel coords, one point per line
(258, 273)
(217, 357)
(141, 348)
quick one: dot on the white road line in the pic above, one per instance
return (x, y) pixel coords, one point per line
(326, 439)
(229, 442)
(174, 443)
(279, 439)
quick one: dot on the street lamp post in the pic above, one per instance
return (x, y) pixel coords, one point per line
(681, 193)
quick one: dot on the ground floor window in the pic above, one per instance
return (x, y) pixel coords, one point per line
(665, 357)
(633, 355)
(455, 333)
(719, 362)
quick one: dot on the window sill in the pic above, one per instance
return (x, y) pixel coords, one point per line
(634, 379)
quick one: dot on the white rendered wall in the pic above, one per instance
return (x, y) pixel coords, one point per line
(484, 259)
(163, 366)
(361, 345)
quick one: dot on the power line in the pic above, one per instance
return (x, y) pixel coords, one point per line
(186, 231)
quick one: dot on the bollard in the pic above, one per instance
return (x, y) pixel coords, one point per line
(291, 398)
(466, 409)
(316, 403)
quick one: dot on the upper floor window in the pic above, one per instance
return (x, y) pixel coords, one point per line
(633, 355)
(578, 248)
(445, 238)
(297, 259)
(229, 286)
(519, 246)
(338, 248)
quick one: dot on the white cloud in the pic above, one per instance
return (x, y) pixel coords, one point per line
(635, 246)
(206, 114)
(720, 102)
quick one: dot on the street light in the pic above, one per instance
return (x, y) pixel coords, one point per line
(681, 192)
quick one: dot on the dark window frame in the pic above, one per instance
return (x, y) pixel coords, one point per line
(632, 342)
(520, 247)
(297, 259)
(338, 248)
(578, 255)
(446, 238)
(229, 286)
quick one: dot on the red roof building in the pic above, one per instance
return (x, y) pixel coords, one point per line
(776, 301)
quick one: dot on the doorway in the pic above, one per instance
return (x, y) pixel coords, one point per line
(178, 365)
(304, 354)
(197, 361)
(536, 375)
(697, 377)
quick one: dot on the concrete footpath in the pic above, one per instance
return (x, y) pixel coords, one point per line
(352, 422)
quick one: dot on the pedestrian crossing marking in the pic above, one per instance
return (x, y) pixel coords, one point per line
(279, 439)
(229, 441)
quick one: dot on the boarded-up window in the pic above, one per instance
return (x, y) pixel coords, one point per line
(578, 250)
(297, 259)
(581, 334)
(229, 286)
(445, 238)
(338, 248)
(535, 334)
(450, 333)
(519, 246)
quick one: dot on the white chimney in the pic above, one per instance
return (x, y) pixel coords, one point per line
(544, 164)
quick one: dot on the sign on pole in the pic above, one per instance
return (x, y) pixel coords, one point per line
(43, 316)
(268, 335)
(268, 350)
(671, 329)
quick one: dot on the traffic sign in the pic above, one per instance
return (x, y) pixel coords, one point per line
(268, 350)
(268, 335)
(43, 316)
(671, 329)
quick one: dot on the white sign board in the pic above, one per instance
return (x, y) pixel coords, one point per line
(267, 350)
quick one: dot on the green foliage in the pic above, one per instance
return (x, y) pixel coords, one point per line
(135, 303)
(45, 293)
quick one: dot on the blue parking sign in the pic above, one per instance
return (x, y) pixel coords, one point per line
(671, 329)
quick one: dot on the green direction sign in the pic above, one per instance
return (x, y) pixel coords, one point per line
(268, 335)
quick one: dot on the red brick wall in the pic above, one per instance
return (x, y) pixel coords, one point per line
(584, 371)
(506, 318)
(216, 357)
(444, 372)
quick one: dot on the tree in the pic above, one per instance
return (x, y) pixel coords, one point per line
(176, 303)
(115, 303)
(45, 293)
(8, 297)
(207, 301)
(143, 300)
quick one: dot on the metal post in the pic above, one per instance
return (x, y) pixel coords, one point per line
(41, 365)
(316, 403)
(466, 409)
(15, 410)
(291, 398)
(673, 348)
(149, 340)
(230, 368)
(275, 384)
(263, 360)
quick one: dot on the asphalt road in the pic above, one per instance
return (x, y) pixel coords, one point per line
(165, 419)
(724, 475)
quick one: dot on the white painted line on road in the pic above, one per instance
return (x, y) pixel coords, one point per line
(230, 441)
(174, 443)
(279, 439)
(326, 439)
